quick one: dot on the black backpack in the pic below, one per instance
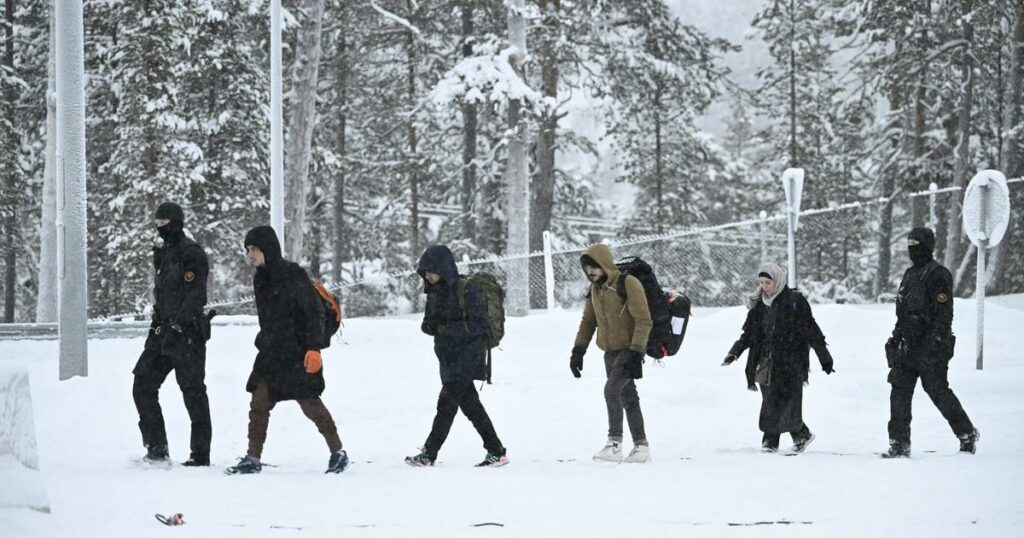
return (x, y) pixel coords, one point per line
(493, 296)
(332, 312)
(670, 309)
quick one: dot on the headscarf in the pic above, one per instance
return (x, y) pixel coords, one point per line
(778, 276)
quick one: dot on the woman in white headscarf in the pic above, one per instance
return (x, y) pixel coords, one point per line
(779, 332)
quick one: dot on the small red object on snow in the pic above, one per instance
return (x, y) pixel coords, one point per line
(172, 520)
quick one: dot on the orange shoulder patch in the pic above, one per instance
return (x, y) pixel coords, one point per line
(942, 298)
(190, 276)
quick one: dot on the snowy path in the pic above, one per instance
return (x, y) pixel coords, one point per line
(702, 423)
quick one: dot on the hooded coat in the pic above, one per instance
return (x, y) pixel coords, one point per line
(458, 335)
(620, 326)
(291, 319)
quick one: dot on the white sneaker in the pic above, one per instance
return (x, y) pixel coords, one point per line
(639, 454)
(611, 452)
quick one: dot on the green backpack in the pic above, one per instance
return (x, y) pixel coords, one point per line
(494, 297)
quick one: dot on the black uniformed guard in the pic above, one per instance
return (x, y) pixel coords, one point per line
(177, 339)
(922, 345)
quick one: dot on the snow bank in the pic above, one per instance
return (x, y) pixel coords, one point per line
(19, 458)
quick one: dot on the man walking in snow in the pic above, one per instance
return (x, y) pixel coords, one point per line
(177, 340)
(288, 365)
(456, 316)
(622, 331)
(922, 345)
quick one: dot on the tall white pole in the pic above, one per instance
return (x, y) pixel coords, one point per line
(549, 271)
(72, 287)
(276, 124)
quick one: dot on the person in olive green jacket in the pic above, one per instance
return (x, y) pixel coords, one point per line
(622, 330)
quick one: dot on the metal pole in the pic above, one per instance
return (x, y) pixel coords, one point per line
(276, 124)
(792, 248)
(980, 281)
(72, 281)
(932, 194)
(549, 271)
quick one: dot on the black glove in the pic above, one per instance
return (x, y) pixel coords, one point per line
(827, 366)
(634, 364)
(430, 327)
(576, 361)
(729, 359)
(893, 351)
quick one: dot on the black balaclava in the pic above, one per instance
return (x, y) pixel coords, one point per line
(923, 252)
(172, 212)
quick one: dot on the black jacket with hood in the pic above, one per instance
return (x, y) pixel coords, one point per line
(458, 336)
(291, 320)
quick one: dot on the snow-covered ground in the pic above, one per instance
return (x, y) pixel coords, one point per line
(707, 472)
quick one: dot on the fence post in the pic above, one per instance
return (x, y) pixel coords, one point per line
(549, 272)
(932, 217)
(764, 235)
(979, 292)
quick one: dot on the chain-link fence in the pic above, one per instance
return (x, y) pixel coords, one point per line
(846, 253)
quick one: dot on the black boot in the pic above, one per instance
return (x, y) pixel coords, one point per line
(770, 442)
(897, 449)
(197, 461)
(156, 454)
(968, 441)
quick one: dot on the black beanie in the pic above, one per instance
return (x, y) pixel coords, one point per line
(170, 211)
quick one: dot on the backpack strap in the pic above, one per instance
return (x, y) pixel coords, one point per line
(460, 293)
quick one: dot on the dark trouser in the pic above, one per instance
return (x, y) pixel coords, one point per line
(259, 419)
(620, 396)
(190, 372)
(782, 410)
(455, 396)
(934, 378)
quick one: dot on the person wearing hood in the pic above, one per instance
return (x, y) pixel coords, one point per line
(922, 345)
(288, 364)
(177, 340)
(456, 317)
(779, 331)
(622, 330)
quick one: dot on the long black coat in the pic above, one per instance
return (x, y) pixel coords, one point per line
(792, 333)
(458, 336)
(291, 320)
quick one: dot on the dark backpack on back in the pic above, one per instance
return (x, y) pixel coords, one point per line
(493, 296)
(332, 312)
(670, 309)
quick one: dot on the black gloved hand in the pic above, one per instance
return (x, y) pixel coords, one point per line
(430, 327)
(828, 366)
(634, 364)
(576, 361)
(729, 359)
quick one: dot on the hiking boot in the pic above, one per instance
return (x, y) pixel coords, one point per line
(968, 441)
(800, 443)
(156, 454)
(337, 463)
(423, 459)
(770, 443)
(612, 451)
(639, 454)
(897, 449)
(494, 459)
(246, 465)
(197, 461)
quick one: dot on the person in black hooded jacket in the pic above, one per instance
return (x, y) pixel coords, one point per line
(458, 325)
(177, 340)
(288, 364)
(922, 345)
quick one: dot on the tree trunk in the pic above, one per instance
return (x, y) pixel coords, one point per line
(658, 180)
(414, 187)
(10, 170)
(544, 182)
(299, 143)
(340, 239)
(469, 128)
(46, 299)
(885, 218)
(516, 176)
(1012, 153)
(919, 209)
(792, 86)
(960, 165)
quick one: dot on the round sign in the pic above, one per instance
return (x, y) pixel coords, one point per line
(987, 208)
